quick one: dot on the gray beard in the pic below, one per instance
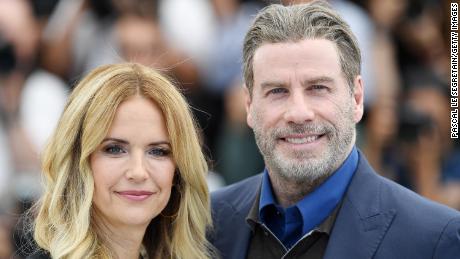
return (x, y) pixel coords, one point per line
(300, 167)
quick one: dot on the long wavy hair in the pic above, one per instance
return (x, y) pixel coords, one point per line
(64, 225)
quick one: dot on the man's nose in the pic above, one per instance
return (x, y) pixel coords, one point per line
(137, 170)
(299, 109)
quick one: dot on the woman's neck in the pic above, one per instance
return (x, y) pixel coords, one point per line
(124, 241)
(126, 245)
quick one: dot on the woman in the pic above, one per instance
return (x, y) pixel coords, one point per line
(124, 172)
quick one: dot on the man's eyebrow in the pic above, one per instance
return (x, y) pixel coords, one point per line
(271, 84)
(318, 80)
(308, 81)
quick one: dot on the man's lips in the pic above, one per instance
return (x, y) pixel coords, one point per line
(301, 138)
(135, 195)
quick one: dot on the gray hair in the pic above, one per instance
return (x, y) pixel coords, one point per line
(315, 20)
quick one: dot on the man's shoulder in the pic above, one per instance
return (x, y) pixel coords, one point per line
(409, 203)
(230, 206)
(401, 223)
(371, 193)
(378, 191)
(420, 222)
(241, 192)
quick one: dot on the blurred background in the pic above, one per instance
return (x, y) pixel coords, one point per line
(46, 46)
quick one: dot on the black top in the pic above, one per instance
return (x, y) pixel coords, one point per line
(265, 245)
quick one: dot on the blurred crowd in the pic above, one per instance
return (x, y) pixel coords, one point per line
(47, 45)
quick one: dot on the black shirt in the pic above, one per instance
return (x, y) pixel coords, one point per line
(265, 245)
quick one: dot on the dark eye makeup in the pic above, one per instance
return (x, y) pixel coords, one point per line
(113, 149)
(159, 151)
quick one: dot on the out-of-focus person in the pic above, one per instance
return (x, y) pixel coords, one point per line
(429, 160)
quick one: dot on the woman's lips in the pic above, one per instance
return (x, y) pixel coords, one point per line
(135, 195)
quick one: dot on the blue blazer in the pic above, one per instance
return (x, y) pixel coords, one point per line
(378, 219)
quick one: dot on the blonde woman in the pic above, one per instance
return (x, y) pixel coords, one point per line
(124, 172)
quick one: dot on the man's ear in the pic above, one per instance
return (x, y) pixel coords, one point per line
(358, 99)
(247, 104)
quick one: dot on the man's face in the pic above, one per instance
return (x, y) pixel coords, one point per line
(302, 111)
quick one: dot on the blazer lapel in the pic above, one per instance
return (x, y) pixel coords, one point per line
(241, 234)
(362, 222)
(234, 232)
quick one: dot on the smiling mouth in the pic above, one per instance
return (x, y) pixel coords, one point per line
(135, 195)
(302, 139)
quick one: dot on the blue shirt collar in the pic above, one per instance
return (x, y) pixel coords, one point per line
(317, 205)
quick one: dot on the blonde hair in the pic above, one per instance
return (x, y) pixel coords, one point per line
(64, 225)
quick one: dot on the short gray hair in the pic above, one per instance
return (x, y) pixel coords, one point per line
(315, 20)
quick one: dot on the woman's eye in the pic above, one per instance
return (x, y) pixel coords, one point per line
(159, 152)
(113, 150)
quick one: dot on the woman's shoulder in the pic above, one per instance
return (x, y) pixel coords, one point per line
(40, 254)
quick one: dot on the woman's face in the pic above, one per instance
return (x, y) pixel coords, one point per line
(133, 168)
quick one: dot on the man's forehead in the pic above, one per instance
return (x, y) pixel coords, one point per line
(318, 57)
(314, 50)
(301, 44)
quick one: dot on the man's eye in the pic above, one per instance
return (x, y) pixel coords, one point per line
(113, 150)
(318, 87)
(277, 91)
(159, 151)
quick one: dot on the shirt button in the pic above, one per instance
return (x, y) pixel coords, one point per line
(265, 232)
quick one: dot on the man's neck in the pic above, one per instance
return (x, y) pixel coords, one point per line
(288, 192)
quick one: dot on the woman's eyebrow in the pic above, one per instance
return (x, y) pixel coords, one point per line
(155, 143)
(115, 140)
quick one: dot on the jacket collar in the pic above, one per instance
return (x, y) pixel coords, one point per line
(362, 221)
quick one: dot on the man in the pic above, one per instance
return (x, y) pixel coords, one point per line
(318, 197)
